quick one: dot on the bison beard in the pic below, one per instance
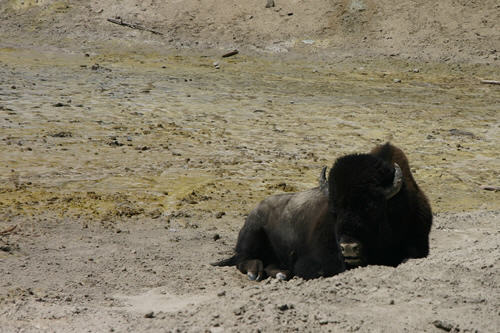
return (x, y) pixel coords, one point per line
(382, 215)
(370, 211)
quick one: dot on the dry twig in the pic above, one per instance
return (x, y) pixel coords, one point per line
(490, 82)
(133, 25)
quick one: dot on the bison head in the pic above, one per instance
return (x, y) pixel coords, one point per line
(360, 187)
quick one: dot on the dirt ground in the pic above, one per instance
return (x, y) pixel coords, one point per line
(129, 160)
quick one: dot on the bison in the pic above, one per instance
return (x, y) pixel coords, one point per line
(289, 234)
(370, 211)
(382, 216)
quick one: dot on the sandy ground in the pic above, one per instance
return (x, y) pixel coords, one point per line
(126, 169)
(447, 31)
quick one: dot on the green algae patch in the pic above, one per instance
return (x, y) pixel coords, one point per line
(126, 134)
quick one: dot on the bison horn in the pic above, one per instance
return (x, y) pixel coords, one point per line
(322, 178)
(396, 183)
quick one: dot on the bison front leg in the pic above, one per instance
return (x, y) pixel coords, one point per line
(253, 268)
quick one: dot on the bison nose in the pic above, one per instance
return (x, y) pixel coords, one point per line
(351, 250)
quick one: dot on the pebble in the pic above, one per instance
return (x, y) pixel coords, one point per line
(459, 132)
(284, 307)
(397, 80)
(270, 3)
(62, 135)
(5, 248)
(150, 314)
(239, 311)
(443, 325)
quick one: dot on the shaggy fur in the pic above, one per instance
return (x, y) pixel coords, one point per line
(308, 233)
(387, 230)
(289, 234)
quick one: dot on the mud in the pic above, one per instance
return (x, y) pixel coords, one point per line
(122, 170)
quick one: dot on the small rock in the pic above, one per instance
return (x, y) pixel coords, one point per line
(230, 54)
(459, 132)
(149, 315)
(490, 188)
(5, 248)
(270, 4)
(284, 307)
(220, 214)
(397, 80)
(62, 135)
(156, 213)
(416, 70)
(443, 325)
(216, 237)
(239, 311)
(115, 143)
(221, 293)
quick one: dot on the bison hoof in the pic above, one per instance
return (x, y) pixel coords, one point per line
(253, 276)
(281, 276)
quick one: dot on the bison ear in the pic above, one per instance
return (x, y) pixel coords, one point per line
(397, 182)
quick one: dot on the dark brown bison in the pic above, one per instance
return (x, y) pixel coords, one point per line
(370, 211)
(382, 215)
(289, 234)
